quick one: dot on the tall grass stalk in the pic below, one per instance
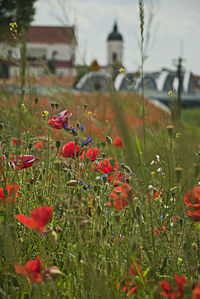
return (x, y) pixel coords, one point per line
(141, 16)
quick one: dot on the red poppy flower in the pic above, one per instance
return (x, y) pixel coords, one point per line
(158, 194)
(118, 141)
(196, 292)
(23, 161)
(130, 287)
(116, 178)
(39, 144)
(194, 215)
(32, 270)
(68, 150)
(60, 120)
(12, 193)
(121, 195)
(15, 142)
(158, 232)
(192, 198)
(106, 166)
(35, 271)
(168, 291)
(91, 153)
(39, 218)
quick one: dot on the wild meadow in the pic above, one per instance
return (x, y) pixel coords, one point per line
(99, 196)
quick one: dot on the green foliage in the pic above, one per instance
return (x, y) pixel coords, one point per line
(19, 11)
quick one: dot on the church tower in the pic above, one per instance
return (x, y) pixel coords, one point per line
(114, 47)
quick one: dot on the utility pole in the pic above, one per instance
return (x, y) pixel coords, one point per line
(180, 86)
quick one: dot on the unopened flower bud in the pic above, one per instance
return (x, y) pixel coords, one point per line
(178, 172)
(170, 130)
(109, 139)
(54, 236)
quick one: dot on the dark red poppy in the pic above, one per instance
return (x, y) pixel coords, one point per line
(12, 193)
(121, 196)
(192, 198)
(196, 292)
(68, 150)
(39, 218)
(91, 153)
(118, 141)
(16, 142)
(23, 161)
(35, 271)
(60, 120)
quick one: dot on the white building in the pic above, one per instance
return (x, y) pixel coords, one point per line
(46, 46)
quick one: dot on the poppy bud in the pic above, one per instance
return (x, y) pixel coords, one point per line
(52, 105)
(127, 169)
(170, 130)
(36, 101)
(54, 236)
(178, 172)
(58, 144)
(85, 107)
(30, 146)
(109, 139)
(57, 105)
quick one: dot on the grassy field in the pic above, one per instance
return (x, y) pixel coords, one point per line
(86, 215)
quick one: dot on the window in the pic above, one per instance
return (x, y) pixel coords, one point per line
(114, 57)
(36, 53)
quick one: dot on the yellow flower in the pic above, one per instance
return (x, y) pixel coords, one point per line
(170, 93)
(89, 112)
(122, 70)
(153, 173)
(23, 107)
(45, 114)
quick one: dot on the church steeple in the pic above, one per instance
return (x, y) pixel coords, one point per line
(115, 46)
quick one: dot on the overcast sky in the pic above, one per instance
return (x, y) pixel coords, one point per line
(174, 31)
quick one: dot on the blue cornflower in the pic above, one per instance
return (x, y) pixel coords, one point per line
(89, 139)
(161, 216)
(83, 127)
(89, 186)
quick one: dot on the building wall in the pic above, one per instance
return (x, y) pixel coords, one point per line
(114, 47)
(63, 53)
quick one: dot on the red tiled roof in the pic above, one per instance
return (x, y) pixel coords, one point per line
(51, 35)
(47, 35)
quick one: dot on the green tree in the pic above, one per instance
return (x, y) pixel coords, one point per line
(19, 11)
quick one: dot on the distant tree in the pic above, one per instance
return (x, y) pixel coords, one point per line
(19, 11)
(81, 70)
